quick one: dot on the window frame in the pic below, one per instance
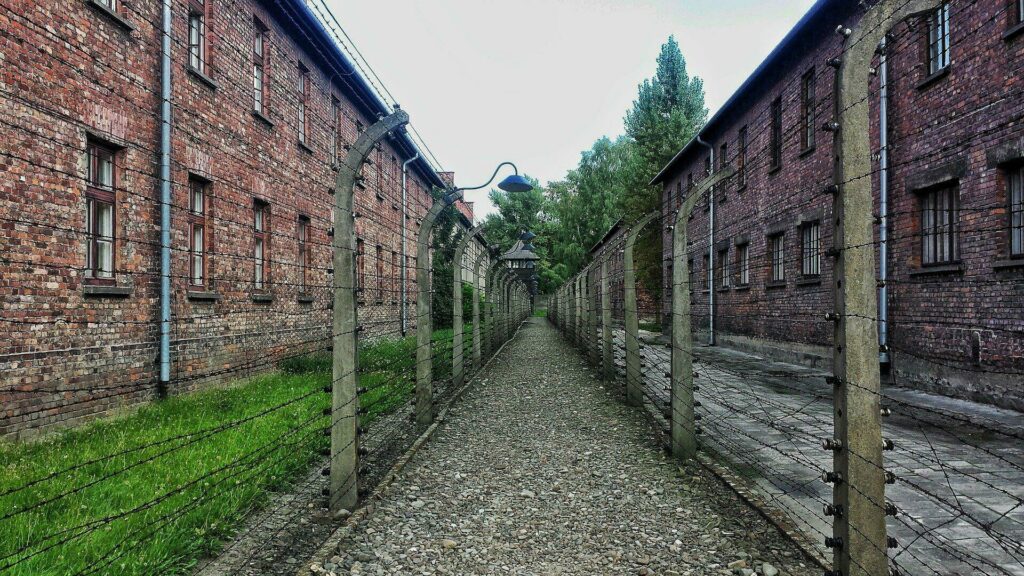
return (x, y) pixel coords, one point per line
(741, 157)
(335, 129)
(305, 253)
(261, 231)
(261, 67)
(807, 111)
(938, 49)
(199, 48)
(302, 120)
(1015, 209)
(200, 219)
(775, 144)
(810, 249)
(380, 275)
(102, 193)
(723, 269)
(777, 258)
(743, 263)
(1020, 13)
(933, 237)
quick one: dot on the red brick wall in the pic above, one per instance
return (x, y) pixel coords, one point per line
(960, 125)
(69, 70)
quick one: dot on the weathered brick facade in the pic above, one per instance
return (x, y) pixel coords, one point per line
(955, 327)
(75, 73)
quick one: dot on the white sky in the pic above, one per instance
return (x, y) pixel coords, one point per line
(537, 81)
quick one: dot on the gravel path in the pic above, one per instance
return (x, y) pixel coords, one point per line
(540, 470)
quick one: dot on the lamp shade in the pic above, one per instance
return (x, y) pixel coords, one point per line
(526, 236)
(515, 183)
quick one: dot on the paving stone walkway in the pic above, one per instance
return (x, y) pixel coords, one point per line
(540, 470)
(959, 464)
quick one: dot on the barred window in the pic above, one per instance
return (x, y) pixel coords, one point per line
(723, 268)
(807, 116)
(1020, 12)
(776, 134)
(938, 39)
(743, 263)
(741, 157)
(380, 274)
(777, 257)
(810, 256)
(303, 97)
(1016, 184)
(305, 254)
(939, 224)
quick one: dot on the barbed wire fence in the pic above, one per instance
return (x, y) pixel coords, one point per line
(343, 425)
(946, 499)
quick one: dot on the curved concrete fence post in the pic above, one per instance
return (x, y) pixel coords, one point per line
(458, 342)
(631, 313)
(344, 465)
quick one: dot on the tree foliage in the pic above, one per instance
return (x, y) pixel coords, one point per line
(610, 182)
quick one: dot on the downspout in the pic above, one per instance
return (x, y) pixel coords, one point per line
(405, 223)
(711, 247)
(165, 202)
(883, 208)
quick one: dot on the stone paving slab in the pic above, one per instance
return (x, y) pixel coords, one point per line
(960, 464)
(538, 470)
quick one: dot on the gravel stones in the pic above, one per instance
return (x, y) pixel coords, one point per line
(541, 470)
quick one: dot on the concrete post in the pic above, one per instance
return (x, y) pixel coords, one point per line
(499, 303)
(607, 359)
(634, 376)
(458, 343)
(477, 287)
(344, 465)
(424, 321)
(684, 439)
(594, 351)
(859, 537)
(581, 311)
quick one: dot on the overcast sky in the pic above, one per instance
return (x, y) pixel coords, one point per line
(537, 81)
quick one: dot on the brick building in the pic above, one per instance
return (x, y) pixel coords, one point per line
(954, 211)
(263, 104)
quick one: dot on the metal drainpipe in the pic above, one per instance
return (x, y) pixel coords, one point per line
(405, 223)
(711, 248)
(165, 201)
(883, 207)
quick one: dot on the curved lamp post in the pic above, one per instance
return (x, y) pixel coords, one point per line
(424, 326)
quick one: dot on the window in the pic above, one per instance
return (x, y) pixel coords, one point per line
(261, 244)
(693, 275)
(100, 196)
(380, 274)
(198, 242)
(938, 40)
(777, 257)
(707, 272)
(393, 287)
(743, 263)
(807, 111)
(679, 194)
(723, 155)
(1016, 182)
(689, 183)
(112, 4)
(335, 127)
(1019, 16)
(776, 134)
(939, 216)
(741, 157)
(707, 166)
(197, 34)
(360, 268)
(303, 88)
(304, 256)
(259, 68)
(810, 260)
(723, 268)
